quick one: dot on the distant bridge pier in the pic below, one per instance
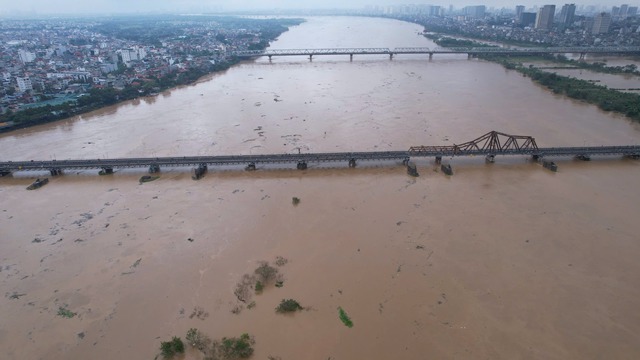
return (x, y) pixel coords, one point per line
(250, 166)
(154, 168)
(390, 56)
(302, 165)
(490, 159)
(536, 157)
(105, 170)
(310, 57)
(198, 173)
(438, 160)
(583, 157)
(430, 55)
(582, 56)
(352, 163)
(55, 172)
(350, 57)
(269, 57)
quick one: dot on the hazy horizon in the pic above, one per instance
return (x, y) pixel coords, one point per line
(42, 7)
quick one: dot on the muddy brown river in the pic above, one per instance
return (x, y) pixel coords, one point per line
(498, 261)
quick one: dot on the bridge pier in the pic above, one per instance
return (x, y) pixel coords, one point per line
(250, 166)
(198, 173)
(412, 169)
(536, 157)
(430, 56)
(350, 57)
(269, 57)
(391, 56)
(310, 57)
(106, 171)
(438, 160)
(302, 165)
(583, 157)
(490, 159)
(154, 168)
(352, 163)
(582, 56)
(55, 172)
(405, 161)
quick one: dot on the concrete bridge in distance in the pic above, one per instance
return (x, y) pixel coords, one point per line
(490, 145)
(470, 51)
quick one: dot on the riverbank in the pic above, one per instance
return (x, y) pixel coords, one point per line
(201, 63)
(606, 99)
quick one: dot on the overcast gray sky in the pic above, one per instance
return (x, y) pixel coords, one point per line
(125, 6)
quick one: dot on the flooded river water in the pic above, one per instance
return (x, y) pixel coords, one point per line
(501, 261)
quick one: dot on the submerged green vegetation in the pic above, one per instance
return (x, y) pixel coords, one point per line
(606, 99)
(345, 318)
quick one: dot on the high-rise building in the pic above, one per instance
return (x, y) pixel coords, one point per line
(623, 10)
(601, 23)
(632, 11)
(519, 11)
(475, 11)
(528, 18)
(544, 19)
(24, 84)
(567, 14)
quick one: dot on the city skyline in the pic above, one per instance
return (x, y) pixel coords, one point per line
(43, 7)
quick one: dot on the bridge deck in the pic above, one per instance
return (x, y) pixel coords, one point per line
(437, 50)
(33, 165)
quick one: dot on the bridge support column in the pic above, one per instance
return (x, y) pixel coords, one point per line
(582, 55)
(269, 58)
(430, 56)
(302, 165)
(350, 57)
(583, 157)
(55, 172)
(490, 159)
(198, 173)
(536, 157)
(412, 169)
(250, 166)
(405, 161)
(310, 57)
(391, 56)
(106, 171)
(438, 160)
(352, 163)
(154, 168)
(468, 56)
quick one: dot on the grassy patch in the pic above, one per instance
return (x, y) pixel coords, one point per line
(198, 340)
(288, 305)
(170, 348)
(236, 348)
(66, 313)
(344, 317)
(266, 273)
(259, 287)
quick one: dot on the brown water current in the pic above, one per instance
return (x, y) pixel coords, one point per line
(499, 261)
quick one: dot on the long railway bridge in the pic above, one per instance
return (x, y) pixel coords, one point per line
(470, 51)
(489, 145)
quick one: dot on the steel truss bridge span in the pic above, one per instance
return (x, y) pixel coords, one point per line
(438, 50)
(490, 144)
